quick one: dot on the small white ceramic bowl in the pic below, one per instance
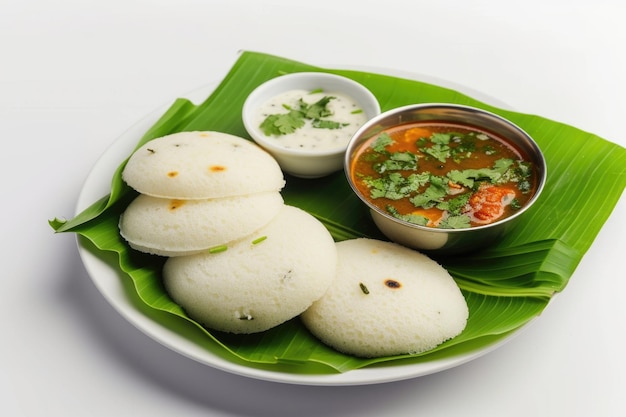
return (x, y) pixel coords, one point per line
(305, 163)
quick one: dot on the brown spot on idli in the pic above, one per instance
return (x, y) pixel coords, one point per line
(172, 174)
(393, 284)
(217, 168)
(174, 204)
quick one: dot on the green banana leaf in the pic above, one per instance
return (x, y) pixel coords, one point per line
(505, 285)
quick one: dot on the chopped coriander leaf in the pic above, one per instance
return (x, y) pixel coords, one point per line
(458, 157)
(405, 157)
(455, 222)
(455, 205)
(397, 161)
(515, 204)
(318, 109)
(433, 194)
(466, 146)
(440, 138)
(218, 249)
(524, 186)
(287, 123)
(259, 240)
(502, 164)
(489, 150)
(439, 152)
(282, 124)
(462, 150)
(371, 157)
(327, 124)
(387, 187)
(410, 218)
(317, 90)
(468, 177)
(420, 179)
(357, 111)
(523, 169)
(382, 141)
(421, 143)
(395, 186)
(465, 178)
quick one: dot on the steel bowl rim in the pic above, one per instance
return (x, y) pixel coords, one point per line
(537, 154)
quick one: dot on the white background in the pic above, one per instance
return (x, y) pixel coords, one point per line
(74, 75)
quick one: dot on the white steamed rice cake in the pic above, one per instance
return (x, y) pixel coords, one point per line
(387, 300)
(201, 165)
(260, 281)
(170, 227)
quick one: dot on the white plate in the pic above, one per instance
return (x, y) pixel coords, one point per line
(109, 282)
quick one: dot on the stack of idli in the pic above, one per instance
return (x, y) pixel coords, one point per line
(239, 259)
(387, 300)
(198, 190)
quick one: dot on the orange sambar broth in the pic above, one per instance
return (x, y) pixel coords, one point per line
(406, 138)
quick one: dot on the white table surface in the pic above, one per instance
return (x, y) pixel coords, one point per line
(74, 75)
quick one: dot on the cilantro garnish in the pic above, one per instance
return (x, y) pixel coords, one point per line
(406, 161)
(468, 177)
(317, 109)
(439, 152)
(410, 218)
(381, 142)
(524, 186)
(433, 194)
(454, 205)
(282, 124)
(489, 150)
(440, 138)
(523, 169)
(327, 124)
(295, 118)
(515, 204)
(395, 186)
(502, 164)
(455, 222)
(421, 143)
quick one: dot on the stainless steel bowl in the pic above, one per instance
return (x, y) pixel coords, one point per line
(445, 241)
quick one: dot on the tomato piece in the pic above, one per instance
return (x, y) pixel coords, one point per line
(488, 203)
(416, 133)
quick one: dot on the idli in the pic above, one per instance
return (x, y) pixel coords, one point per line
(201, 165)
(170, 227)
(386, 300)
(259, 281)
